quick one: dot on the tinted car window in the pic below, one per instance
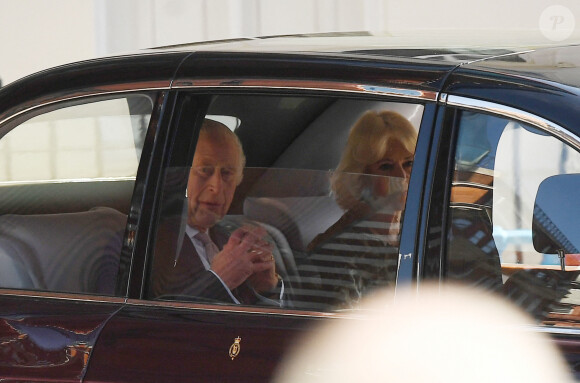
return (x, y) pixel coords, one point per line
(329, 249)
(66, 181)
(495, 215)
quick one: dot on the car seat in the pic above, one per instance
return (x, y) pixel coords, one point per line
(68, 252)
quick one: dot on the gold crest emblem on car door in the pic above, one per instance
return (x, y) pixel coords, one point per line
(235, 348)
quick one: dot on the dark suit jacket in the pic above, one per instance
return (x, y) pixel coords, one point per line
(187, 279)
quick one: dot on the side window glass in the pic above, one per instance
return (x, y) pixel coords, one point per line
(66, 179)
(504, 233)
(305, 215)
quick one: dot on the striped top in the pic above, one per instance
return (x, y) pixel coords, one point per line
(354, 256)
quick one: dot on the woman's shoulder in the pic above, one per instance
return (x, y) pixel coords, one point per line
(348, 219)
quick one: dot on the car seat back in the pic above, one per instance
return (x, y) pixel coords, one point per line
(68, 252)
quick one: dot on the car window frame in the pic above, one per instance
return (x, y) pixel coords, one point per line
(432, 248)
(435, 244)
(180, 153)
(71, 100)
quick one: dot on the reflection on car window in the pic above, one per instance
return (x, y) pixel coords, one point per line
(500, 165)
(66, 181)
(327, 257)
(322, 194)
(93, 140)
(356, 254)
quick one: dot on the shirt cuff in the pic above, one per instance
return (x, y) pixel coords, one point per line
(236, 301)
(272, 301)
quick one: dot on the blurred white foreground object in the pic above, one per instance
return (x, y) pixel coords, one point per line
(447, 334)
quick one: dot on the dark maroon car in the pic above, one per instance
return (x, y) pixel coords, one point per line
(94, 159)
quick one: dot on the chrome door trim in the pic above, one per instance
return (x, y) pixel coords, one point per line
(515, 114)
(332, 86)
(232, 308)
(6, 292)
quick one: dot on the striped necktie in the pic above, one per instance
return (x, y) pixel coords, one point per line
(210, 248)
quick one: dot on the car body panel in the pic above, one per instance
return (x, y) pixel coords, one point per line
(106, 339)
(47, 338)
(435, 46)
(168, 342)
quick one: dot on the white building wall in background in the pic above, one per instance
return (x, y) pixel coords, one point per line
(40, 34)
(168, 22)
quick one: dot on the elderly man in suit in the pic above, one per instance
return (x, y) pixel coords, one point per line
(210, 263)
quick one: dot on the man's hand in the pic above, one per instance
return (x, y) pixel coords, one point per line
(246, 254)
(266, 280)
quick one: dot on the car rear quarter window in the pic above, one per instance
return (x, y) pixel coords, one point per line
(66, 180)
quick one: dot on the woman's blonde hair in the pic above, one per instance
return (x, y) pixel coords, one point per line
(368, 142)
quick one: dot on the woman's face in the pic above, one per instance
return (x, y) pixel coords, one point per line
(397, 162)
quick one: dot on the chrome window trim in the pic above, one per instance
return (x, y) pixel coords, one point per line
(41, 102)
(219, 308)
(232, 308)
(76, 297)
(67, 181)
(308, 85)
(515, 114)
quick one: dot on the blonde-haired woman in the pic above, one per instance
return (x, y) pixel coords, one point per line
(360, 251)
(380, 143)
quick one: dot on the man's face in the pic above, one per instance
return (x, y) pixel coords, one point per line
(213, 179)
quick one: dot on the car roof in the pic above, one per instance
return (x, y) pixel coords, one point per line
(517, 53)
(553, 65)
(443, 45)
(433, 55)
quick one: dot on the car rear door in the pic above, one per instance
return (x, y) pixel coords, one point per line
(293, 132)
(66, 182)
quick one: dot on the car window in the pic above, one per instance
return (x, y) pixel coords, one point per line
(66, 179)
(318, 235)
(499, 210)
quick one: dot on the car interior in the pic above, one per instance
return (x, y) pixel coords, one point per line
(63, 232)
(292, 144)
(491, 226)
